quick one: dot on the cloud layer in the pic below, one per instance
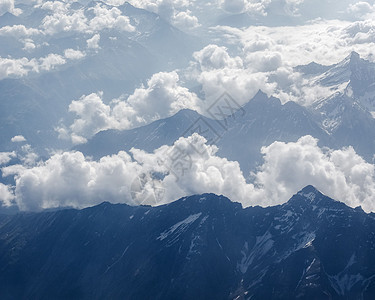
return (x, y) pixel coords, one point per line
(189, 167)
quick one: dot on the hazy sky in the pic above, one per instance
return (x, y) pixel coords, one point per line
(245, 46)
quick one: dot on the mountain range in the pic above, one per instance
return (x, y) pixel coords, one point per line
(341, 120)
(202, 246)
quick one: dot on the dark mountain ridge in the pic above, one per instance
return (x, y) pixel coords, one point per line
(203, 246)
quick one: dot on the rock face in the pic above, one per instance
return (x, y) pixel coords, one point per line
(203, 247)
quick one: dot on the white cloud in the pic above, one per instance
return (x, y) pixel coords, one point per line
(361, 9)
(93, 116)
(55, 6)
(19, 67)
(63, 18)
(292, 6)
(176, 12)
(59, 22)
(250, 6)
(360, 33)
(74, 54)
(51, 61)
(215, 57)
(18, 31)
(27, 155)
(161, 98)
(6, 157)
(16, 67)
(341, 174)
(70, 179)
(192, 167)
(325, 42)
(185, 19)
(93, 43)
(261, 7)
(109, 18)
(18, 139)
(265, 61)
(269, 54)
(8, 6)
(216, 71)
(29, 45)
(6, 195)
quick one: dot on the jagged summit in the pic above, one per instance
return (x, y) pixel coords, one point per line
(261, 99)
(352, 58)
(205, 246)
(310, 189)
(186, 113)
(311, 197)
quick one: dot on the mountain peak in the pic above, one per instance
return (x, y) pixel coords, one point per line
(351, 60)
(311, 196)
(262, 98)
(309, 192)
(187, 112)
(260, 94)
(354, 56)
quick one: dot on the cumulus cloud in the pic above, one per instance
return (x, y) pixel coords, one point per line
(18, 139)
(239, 6)
(93, 43)
(341, 174)
(27, 155)
(19, 67)
(176, 12)
(185, 19)
(74, 54)
(64, 18)
(29, 45)
(360, 33)
(70, 179)
(6, 195)
(8, 6)
(6, 157)
(257, 67)
(189, 167)
(18, 31)
(215, 57)
(262, 7)
(216, 71)
(109, 18)
(51, 61)
(161, 98)
(361, 9)
(16, 67)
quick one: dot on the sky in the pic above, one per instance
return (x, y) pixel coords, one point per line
(245, 46)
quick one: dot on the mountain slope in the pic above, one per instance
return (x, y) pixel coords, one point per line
(152, 136)
(259, 123)
(198, 247)
(265, 121)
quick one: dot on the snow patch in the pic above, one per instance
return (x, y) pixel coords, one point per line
(262, 245)
(179, 228)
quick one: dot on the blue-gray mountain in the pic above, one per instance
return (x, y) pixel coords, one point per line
(346, 118)
(203, 247)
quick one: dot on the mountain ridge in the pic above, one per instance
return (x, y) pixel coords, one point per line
(204, 246)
